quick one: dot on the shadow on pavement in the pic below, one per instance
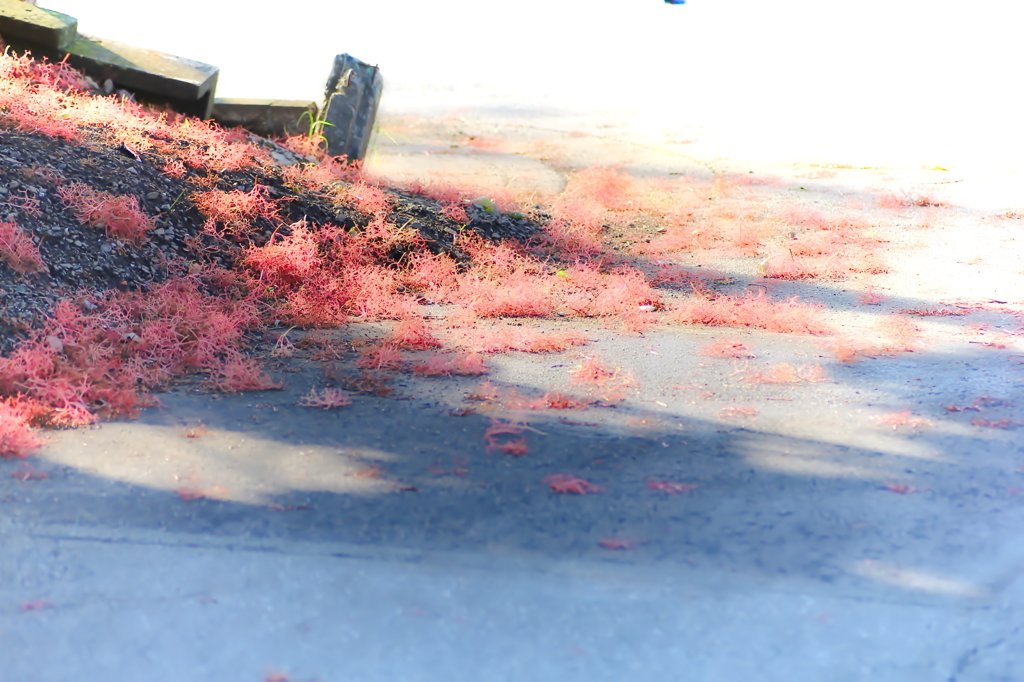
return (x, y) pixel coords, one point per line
(399, 474)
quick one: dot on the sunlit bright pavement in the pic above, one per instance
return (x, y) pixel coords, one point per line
(867, 83)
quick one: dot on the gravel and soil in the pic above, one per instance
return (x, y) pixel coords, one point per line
(80, 258)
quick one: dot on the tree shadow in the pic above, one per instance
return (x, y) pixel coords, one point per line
(680, 493)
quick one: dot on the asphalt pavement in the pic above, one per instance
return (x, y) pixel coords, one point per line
(807, 538)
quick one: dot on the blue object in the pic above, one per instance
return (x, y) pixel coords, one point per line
(675, 2)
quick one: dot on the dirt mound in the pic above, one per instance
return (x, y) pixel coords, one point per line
(80, 255)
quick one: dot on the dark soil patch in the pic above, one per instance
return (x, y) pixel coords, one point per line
(83, 259)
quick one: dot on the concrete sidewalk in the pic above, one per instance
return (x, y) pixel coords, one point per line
(816, 543)
(157, 606)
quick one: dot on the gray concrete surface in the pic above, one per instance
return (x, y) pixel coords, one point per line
(341, 545)
(344, 545)
(156, 606)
